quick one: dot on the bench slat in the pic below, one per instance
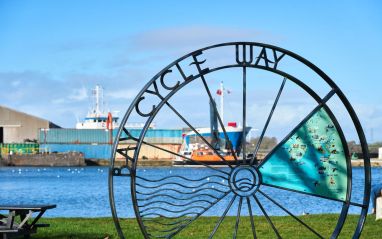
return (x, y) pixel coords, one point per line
(27, 207)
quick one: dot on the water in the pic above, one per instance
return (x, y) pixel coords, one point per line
(83, 191)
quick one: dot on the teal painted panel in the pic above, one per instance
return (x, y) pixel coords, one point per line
(101, 151)
(74, 136)
(101, 136)
(311, 160)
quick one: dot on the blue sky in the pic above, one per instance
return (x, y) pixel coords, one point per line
(53, 52)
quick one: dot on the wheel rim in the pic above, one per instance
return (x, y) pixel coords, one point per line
(144, 197)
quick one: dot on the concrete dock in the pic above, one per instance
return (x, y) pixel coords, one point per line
(374, 162)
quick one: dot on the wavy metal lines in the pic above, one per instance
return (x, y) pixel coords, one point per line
(169, 204)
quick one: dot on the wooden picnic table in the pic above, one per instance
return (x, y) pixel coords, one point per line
(27, 225)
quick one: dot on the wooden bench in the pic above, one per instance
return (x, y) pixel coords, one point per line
(26, 225)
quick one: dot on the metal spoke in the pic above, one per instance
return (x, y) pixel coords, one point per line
(267, 122)
(343, 215)
(184, 157)
(222, 217)
(357, 204)
(322, 103)
(238, 218)
(215, 109)
(306, 193)
(199, 214)
(291, 214)
(251, 217)
(244, 114)
(197, 133)
(130, 137)
(266, 216)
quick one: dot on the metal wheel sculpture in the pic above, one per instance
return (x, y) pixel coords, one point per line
(312, 161)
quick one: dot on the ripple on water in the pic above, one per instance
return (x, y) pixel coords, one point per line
(85, 193)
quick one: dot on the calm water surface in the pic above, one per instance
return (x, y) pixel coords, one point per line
(83, 191)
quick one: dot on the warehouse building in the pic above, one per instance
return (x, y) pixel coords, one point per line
(19, 127)
(96, 144)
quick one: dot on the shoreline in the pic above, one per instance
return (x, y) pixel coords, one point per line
(374, 163)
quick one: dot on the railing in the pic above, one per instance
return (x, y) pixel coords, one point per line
(17, 149)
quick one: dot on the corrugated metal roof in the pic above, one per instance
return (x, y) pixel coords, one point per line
(102, 151)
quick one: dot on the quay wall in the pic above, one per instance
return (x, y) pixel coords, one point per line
(103, 151)
(151, 153)
(374, 162)
(59, 159)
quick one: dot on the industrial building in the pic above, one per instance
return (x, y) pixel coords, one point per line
(19, 127)
(96, 144)
(21, 133)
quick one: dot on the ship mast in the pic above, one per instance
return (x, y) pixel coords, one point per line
(222, 102)
(98, 96)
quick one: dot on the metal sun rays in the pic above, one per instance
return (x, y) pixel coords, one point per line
(166, 205)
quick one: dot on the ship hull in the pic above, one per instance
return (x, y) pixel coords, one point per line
(194, 147)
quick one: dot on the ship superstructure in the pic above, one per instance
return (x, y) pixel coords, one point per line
(219, 144)
(97, 117)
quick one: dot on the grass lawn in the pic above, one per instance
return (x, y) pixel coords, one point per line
(103, 227)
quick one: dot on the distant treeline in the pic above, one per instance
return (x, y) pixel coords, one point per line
(268, 143)
(373, 148)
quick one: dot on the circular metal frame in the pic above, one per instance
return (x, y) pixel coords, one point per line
(241, 184)
(244, 59)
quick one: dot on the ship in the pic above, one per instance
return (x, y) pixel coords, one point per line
(215, 148)
(194, 148)
(97, 117)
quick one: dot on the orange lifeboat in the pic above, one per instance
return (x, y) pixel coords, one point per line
(208, 155)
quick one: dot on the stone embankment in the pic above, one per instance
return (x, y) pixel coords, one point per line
(77, 159)
(148, 163)
(374, 162)
(51, 159)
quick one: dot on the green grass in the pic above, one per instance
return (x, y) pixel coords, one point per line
(82, 228)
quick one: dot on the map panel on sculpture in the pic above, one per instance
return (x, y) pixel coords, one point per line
(311, 160)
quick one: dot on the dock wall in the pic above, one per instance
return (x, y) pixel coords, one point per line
(56, 159)
(151, 153)
(374, 162)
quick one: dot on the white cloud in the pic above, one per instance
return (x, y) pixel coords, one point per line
(15, 83)
(58, 101)
(370, 115)
(122, 94)
(41, 94)
(79, 94)
(194, 37)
